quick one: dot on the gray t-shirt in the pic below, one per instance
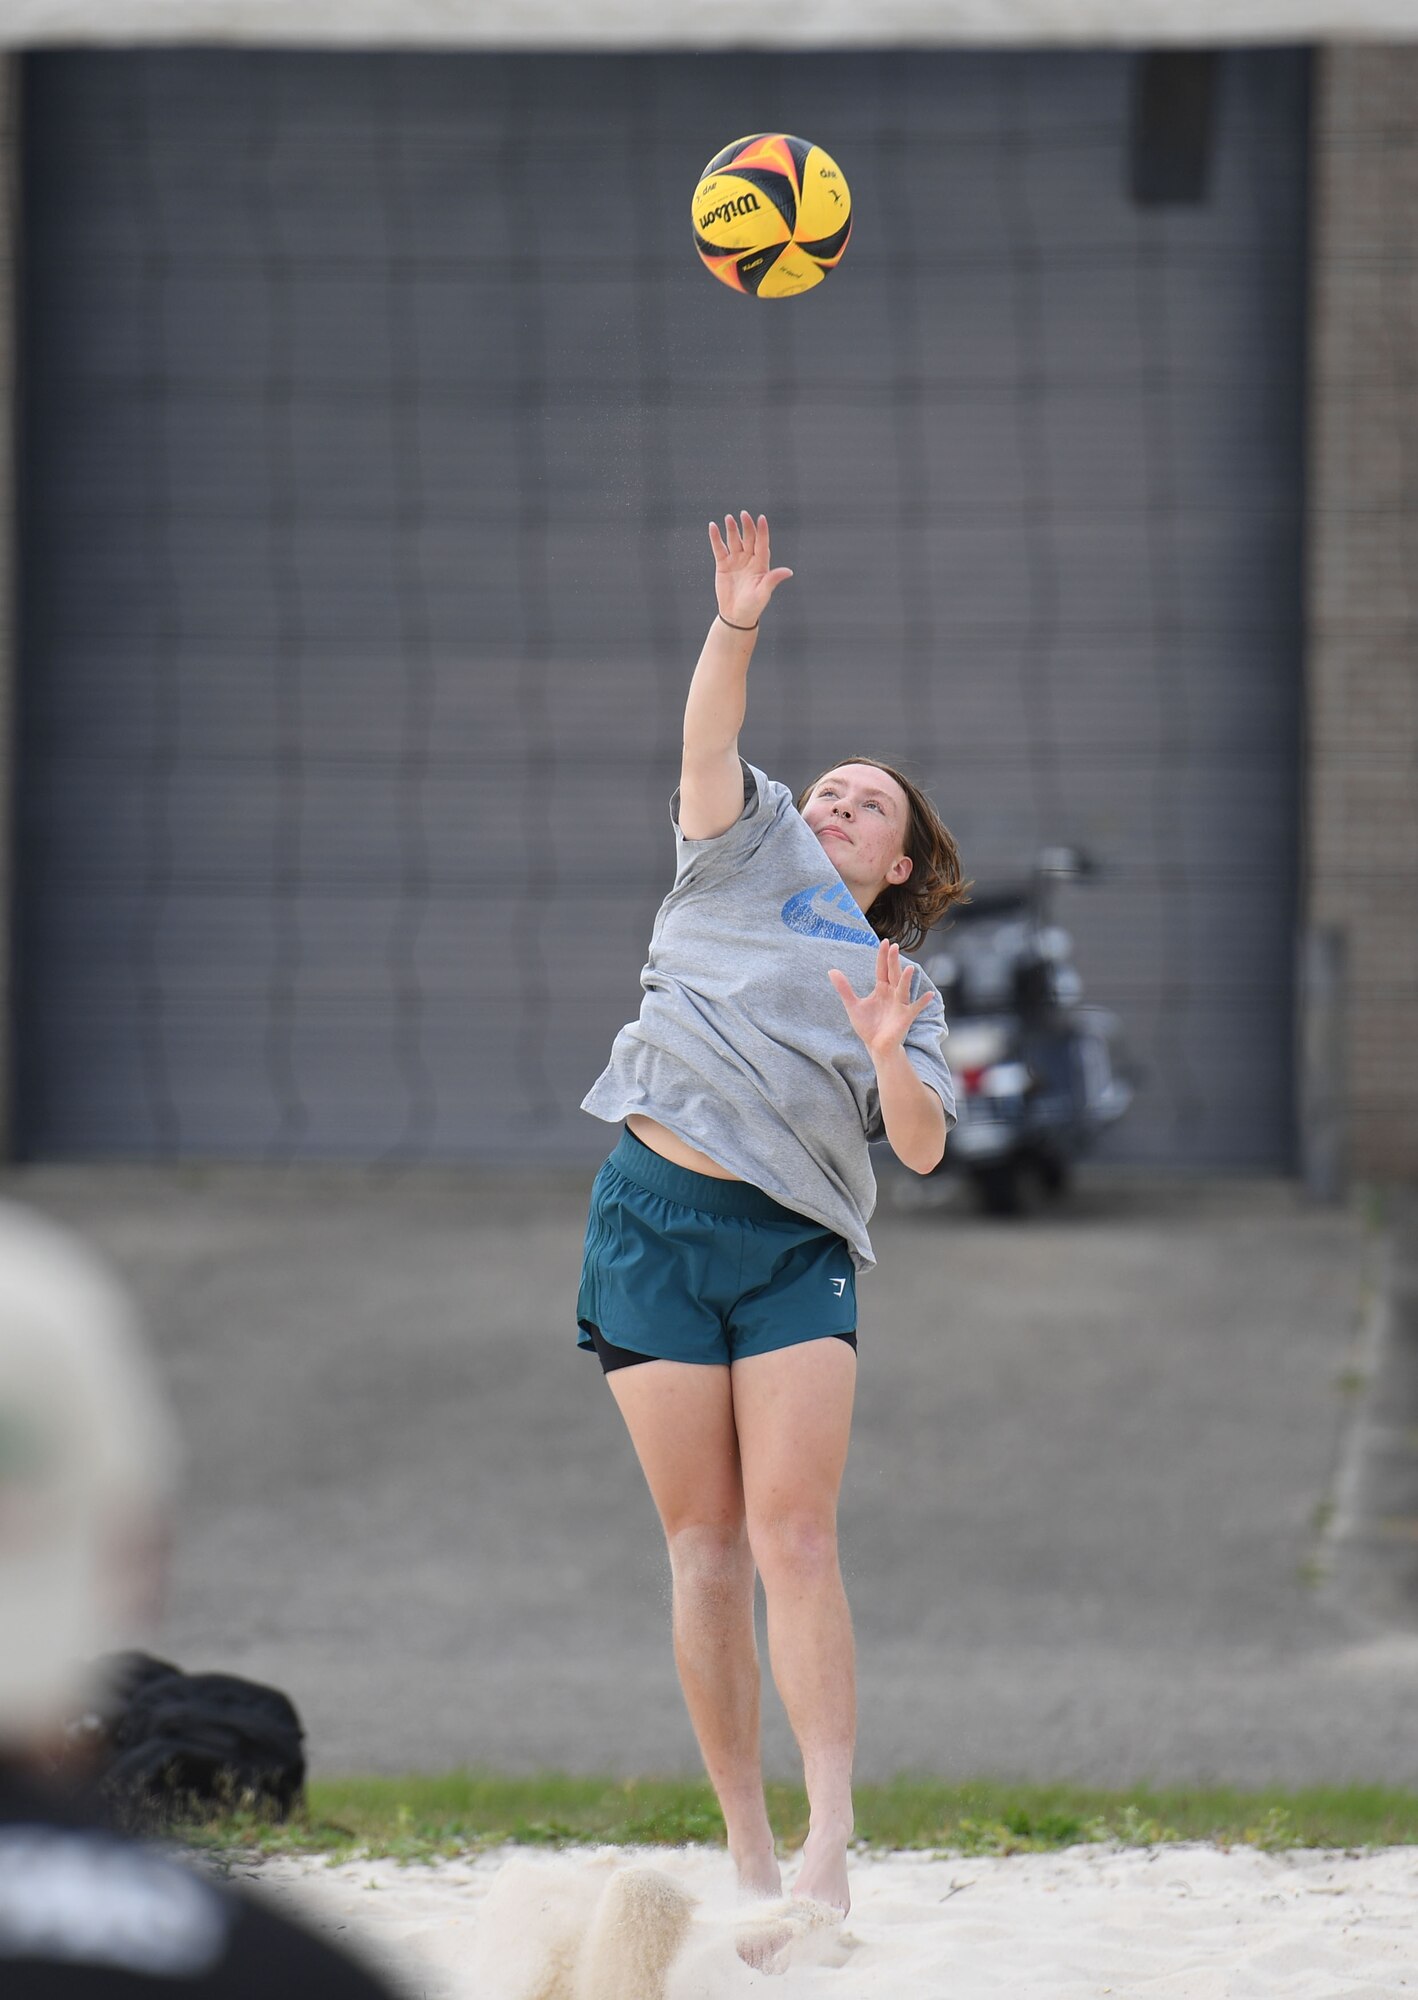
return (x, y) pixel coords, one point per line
(742, 1047)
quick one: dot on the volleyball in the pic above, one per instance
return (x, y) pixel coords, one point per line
(772, 215)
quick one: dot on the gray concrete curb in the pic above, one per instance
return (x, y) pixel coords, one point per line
(1367, 1559)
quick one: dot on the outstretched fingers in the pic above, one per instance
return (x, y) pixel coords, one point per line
(741, 560)
(889, 973)
(899, 977)
(742, 536)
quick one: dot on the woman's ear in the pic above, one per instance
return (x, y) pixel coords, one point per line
(899, 870)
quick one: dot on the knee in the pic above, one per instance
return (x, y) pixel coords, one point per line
(710, 1558)
(795, 1547)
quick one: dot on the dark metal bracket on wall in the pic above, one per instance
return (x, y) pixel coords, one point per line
(1173, 126)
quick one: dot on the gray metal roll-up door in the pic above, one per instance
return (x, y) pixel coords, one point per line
(374, 408)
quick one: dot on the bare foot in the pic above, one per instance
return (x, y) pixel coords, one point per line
(760, 1942)
(763, 1941)
(823, 1875)
(759, 1876)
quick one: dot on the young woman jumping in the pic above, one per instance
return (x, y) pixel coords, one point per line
(780, 1031)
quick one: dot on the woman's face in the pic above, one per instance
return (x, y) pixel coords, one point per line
(861, 817)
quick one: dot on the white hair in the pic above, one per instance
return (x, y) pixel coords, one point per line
(88, 1461)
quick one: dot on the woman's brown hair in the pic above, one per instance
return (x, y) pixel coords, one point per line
(904, 912)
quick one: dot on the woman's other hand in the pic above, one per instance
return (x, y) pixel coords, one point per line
(883, 1018)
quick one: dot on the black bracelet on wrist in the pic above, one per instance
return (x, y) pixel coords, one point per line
(735, 628)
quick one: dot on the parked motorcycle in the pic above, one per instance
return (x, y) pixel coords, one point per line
(1039, 1076)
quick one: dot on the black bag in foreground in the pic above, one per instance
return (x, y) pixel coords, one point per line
(179, 1744)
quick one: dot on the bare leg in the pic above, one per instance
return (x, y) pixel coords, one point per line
(793, 1413)
(681, 1421)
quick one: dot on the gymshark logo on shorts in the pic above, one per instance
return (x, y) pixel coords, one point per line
(828, 912)
(839, 1285)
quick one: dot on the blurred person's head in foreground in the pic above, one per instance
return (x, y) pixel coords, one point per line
(87, 1463)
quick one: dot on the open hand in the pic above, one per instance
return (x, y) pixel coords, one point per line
(744, 579)
(883, 1018)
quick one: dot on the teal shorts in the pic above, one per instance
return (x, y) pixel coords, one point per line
(685, 1267)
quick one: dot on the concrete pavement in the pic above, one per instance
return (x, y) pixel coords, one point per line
(1088, 1527)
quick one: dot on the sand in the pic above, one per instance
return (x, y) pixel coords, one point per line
(1191, 1922)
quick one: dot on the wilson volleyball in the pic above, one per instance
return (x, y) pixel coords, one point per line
(772, 215)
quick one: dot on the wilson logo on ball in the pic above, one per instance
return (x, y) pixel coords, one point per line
(745, 205)
(762, 198)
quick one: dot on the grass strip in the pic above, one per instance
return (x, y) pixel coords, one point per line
(425, 1818)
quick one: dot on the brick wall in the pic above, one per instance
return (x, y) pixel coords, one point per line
(9, 188)
(1362, 820)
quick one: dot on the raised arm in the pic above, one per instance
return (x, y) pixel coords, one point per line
(710, 787)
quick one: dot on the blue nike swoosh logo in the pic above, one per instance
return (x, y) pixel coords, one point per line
(828, 912)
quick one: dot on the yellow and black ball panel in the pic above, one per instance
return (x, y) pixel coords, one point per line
(789, 273)
(824, 204)
(827, 251)
(732, 152)
(725, 268)
(742, 273)
(773, 152)
(776, 273)
(733, 212)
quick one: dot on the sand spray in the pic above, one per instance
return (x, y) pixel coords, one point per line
(595, 1927)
